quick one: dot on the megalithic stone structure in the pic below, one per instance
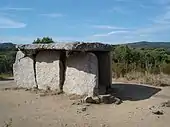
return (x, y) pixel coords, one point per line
(75, 68)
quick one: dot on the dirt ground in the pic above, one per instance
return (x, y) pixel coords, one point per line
(19, 108)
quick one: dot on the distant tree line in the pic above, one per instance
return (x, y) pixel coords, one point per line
(7, 59)
(44, 40)
(8, 53)
(153, 60)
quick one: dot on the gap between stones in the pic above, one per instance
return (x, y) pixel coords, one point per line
(34, 67)
(62, 68)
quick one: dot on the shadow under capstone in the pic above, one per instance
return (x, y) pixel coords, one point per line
(133, 92)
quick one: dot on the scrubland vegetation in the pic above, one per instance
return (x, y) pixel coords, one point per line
(145, 65)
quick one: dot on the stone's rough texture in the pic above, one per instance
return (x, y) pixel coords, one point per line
(158, 112)
(106, 99)
(77, 46)
(47, 69)
(75, 68)
(81, 75)
(92, 100)
(89, 99)
(23, 71)
(109, 99)
(165, 104)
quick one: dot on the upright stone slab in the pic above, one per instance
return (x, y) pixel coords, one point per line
(47, 69)
(23, 70)
(81, 75)
(105, 71)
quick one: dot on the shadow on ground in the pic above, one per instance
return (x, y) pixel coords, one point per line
(6, 79)
(134, 92)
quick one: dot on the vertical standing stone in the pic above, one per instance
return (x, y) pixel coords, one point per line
(81, 75)
(47, 69)
(23, 71)
(105, 71)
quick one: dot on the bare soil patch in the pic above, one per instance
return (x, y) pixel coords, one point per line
(20, 108)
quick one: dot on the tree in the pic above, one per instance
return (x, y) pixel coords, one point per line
(127, 59)
(44, 40)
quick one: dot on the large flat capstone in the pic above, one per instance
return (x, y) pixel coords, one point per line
(47, 69)
(24, 71)
(81, 75)
(76, 46)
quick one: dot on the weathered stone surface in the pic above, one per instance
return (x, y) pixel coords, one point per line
(81, 75)
(47, 69)
(109, 99)
(158, 112)
(106, 99)
(93, 100)
(86, 63)
(77, 46)
(23, 71)
(89, 99)
(165, 104)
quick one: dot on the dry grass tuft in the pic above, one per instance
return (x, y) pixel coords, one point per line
(8, 123)
(4, 76)
(147, 78)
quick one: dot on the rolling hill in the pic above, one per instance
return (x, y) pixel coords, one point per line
(7, 46)
(145, 44)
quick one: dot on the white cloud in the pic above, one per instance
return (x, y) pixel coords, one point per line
(162, 2)
(120, 10)
(145, 6)
(161, 24)
(9, 23)
(152, 29)
(29, 39)
(52, 15)
(147, 31)
(17, 39)
(124, 0)
(110, 33)
(5, 14)
(164, 18)
(107, 27)
(16, 9)
(138, 34)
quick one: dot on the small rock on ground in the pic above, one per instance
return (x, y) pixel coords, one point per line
(158, 112)
(165, 104)
(106, 99)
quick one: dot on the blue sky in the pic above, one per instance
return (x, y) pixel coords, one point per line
(107, 21)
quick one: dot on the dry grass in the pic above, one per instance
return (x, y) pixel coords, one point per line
(146, 78)
(4, 76)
